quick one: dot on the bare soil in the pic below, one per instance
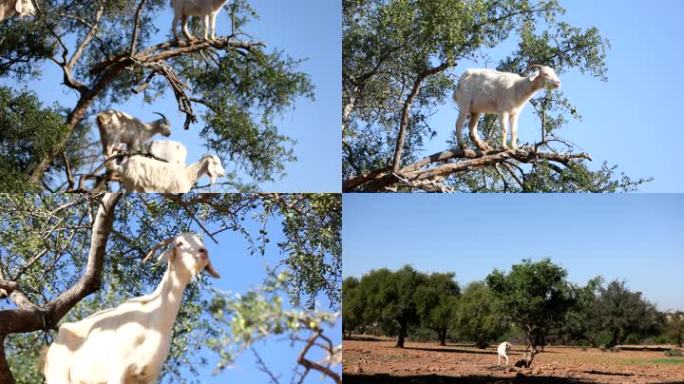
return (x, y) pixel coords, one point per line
(368, 361)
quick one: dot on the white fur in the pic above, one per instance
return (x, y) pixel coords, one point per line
(9, 8)
(129, 343)
(207, 9)
(117, 128)
(502, 351)
(505, 94)
(143, 174)
(171, 151)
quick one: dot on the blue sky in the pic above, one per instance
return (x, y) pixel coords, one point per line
(632, 120)
(632, 237)
(304, 29)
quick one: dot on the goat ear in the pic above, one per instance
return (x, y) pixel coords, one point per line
(211, 271)
(19, 5)
(167, 256)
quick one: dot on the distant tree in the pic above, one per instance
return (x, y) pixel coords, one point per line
(674, 327)
(390, 300)
(105, 54)
(437, 301)
(476, 316)
(352, 306)
(399, 60)
(581, 322)
(622, 312)
(533, 295)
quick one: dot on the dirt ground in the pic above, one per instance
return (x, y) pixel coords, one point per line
(380, 362)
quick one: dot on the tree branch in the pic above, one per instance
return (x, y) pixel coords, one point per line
(452, 162)
(406, 110)
(136, 28)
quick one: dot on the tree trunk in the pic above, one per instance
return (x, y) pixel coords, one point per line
(402, 336)
(36, 318)
(5, 373)
(442, 337)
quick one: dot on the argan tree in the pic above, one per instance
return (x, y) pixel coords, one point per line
(230, 89)
(390, 300)
(66, 256)
(476, 318)
(437, 302)
(533, 295)
(400, 64)
(622, 312)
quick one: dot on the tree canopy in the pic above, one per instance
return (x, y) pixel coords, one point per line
(534, 295)
(400, 60)
(63, 257)
(231, 90)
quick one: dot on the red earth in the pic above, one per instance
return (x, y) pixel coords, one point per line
(379, 361)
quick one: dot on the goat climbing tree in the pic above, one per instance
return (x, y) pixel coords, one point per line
(105, 54)
(399, 66)
(66, 256)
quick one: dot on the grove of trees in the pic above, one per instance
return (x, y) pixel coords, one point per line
(533, 303)
(401, 60)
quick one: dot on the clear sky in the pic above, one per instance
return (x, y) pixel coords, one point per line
(632, 237)
(303, 29)
(634, 119)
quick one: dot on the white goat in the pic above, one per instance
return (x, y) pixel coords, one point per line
(171, 151)
(117, 128)
(502, 351)
(129, 343)
(9, 8)
(505, 94)
(143, 174)
(207, 9)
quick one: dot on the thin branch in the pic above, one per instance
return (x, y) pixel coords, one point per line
(406, 110)
(136, 27)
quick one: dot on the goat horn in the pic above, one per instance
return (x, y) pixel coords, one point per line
(162, 115)
(156, 247)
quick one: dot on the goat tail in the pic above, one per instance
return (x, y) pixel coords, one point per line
(42, 359)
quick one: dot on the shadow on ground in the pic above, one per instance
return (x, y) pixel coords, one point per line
(475, 379)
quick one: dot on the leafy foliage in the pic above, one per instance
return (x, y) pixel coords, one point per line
(476, 316)
(534, 295)
(437, 302)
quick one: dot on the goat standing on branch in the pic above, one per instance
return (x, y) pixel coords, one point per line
(505, 94)
(118, 128)
(129, 343)
(143, 174)
(10, 8)
(207, 9)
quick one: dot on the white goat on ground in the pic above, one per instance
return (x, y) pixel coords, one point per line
(143, 174)
(9, 8)
(207, 9)
(171, 151)
(502, 351)
(129, 343)
(505, 94)
(117, 128)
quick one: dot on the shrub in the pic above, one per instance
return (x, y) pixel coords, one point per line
(673, 353)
